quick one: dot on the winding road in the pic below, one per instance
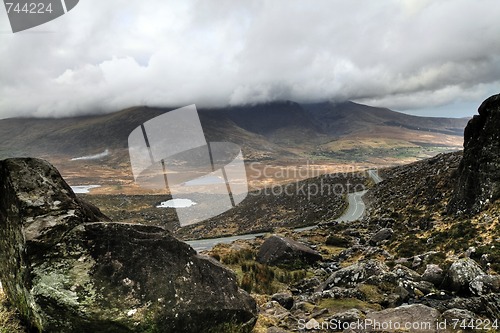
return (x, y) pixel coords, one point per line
(354, 212)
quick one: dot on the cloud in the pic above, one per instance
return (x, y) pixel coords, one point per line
(104, 56)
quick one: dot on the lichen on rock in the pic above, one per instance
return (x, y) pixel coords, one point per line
(67, 268)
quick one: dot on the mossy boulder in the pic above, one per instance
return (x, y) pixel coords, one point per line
(461, 273)
(284, 251)
(67, 268)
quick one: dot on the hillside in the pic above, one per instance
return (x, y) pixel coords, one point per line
(291, 205)
(422, 254)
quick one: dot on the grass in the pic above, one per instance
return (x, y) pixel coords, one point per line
(9, 320)
(371, 293)
(339, 305)
(255, 277)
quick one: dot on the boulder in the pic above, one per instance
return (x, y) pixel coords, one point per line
(37, 208)
(456, 317)
(381, 235)
(284, 299)
(491, 304)
(461, 273)
(349, 316)
(418, 289)
(433, 274)
(306, 285)
(396, 319)
(338, 293)
(312, 324)
(277, 250)
(479, 170)
(405, 273)
(352, 275)
(69, 269)
(485, 284)
(337, 241)
(474, 304)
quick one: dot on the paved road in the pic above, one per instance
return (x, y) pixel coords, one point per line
(356, 207)
(354, 212)
(207, 244)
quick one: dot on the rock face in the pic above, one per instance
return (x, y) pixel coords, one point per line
(479, 180)
(36, 209)
(277, 250)
(68, 269)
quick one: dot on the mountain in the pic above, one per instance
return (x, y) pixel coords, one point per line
(345, 118)
(258, 128)
(284, 133)
(275, 123)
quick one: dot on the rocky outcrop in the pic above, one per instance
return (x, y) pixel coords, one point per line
(111, 275)
(66, 268)
(277, 250)
(479, 171)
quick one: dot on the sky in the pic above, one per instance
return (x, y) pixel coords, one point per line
(432, 58)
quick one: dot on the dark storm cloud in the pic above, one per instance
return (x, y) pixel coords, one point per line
(107, 55)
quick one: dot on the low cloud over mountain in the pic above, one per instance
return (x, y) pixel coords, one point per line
(105, 56)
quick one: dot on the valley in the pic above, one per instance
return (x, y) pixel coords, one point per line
(376, 222)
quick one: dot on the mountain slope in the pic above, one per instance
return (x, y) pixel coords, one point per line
(340, 119)
(263, 126)
(281, 134)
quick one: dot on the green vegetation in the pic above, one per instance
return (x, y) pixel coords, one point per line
(411, 246)
(339, 305)
(337, 241)
(458, 237)
(264, 279)
(371, 293)
(256, 277)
